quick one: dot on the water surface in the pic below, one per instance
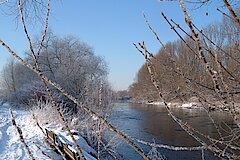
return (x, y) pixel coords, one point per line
(152, 123)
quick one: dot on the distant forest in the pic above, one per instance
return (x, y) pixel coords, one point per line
(180, 73)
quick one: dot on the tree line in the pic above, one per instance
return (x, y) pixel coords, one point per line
(65, 60)
(193, 65)
(181, 74)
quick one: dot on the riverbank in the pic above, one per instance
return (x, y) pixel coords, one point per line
(192, 103)
(189, 105)
(10, 144)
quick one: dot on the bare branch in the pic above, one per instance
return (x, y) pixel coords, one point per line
(234, 15)
(20, 134)
(79, 104)
(155, 34)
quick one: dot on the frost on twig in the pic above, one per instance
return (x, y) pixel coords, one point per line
(153, 154)
(20, 134)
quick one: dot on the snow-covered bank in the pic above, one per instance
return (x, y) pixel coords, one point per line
(155, 103)
(64, 137)
(11, 147)
(189, 105)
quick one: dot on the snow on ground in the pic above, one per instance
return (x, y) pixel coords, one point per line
(11, 147)
(65, 137)
(189, 105)
(155, 103)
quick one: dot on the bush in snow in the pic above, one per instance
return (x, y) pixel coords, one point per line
(89, 129)
(86, 126)
(153, 154)
(45, 112)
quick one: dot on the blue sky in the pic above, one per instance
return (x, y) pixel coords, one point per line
(110, 27)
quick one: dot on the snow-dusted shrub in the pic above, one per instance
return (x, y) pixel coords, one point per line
(86, 126)
(27, 94)
(89, 128)
(45, 112)
(109, 148)
(153, 154)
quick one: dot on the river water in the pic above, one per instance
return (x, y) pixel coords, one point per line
(153, 124)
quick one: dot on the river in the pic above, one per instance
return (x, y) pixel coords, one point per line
(152, 123)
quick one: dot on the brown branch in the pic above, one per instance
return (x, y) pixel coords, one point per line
(234, 15)
(200, 31)
(79, 104)
(43, 80)
(173, 28)
(44, 153)
(188, 129)
(100, 91)
(50, 142)
(45, 29)
(155, 34)
(213, 74)
(20, 134)
(34, 118)
(173, 148)
(25, 27)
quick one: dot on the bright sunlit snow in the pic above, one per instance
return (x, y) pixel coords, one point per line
(11, 147)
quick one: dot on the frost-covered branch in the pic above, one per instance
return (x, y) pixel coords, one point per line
(234, 15)
(79, 104)
(19, 131)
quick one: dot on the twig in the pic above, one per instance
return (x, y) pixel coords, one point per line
(45, 29)
(173, 148)
(213, 74)
(79, 104)
(155, 34)
(184, 126)
(234, 15)
(99, 122)
(38, 68)
(44, 153)
(50, 142)
(20, 135)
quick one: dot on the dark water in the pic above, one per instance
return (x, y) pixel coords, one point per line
(152, 123)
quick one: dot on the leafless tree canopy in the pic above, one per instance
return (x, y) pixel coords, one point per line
(204, 63)
(67, 61)
(179, 69)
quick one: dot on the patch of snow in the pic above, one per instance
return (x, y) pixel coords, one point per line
(94, 118)
(11, 147)
(72, 149)
(191, 105)
(66, 138)
(156, 103)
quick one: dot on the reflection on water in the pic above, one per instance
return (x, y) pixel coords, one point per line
(148, 122)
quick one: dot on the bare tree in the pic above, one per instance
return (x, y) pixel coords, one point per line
(35, 67)
(207, 66)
